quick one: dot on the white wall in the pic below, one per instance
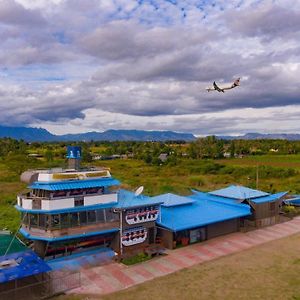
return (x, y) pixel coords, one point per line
(57, 204)
(44, 177)
(27, 204)
(100, 199)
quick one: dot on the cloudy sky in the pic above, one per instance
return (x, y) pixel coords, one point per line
(79, 65)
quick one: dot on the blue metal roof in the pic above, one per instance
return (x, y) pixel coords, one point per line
(74, 184)
(197, 195)
(27, 264)
(127, 199)
(200, 213)
(66, 237)
(269, 198)
(170, 199)
(239, 192)
(293, 201)
(209, 196)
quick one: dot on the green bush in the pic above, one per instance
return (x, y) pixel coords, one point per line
(135, 259)
(289, 209)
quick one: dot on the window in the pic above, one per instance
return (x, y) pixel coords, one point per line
(91, 216)
(79, 201)
(82, 218)
(74, 219)
(100, 215)
(55, 223)
(110, 215)
(64, 220)
(33, 220)
(42, 220)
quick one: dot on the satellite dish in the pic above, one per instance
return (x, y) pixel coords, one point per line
(139, 191)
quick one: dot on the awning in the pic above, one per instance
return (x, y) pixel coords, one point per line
(21, 264)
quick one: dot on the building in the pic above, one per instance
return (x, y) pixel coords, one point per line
(67, 211)
(187, 220)
(70, 210)
(265, 207)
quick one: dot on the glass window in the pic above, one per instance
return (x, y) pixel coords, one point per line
(74, 219)
(42, 221)
(55, 223)
(33, 220)
(82, 218)
(91, 215)
(64, 220)
(110, 215)
(79, 201)
(24, 218)
(100, 215)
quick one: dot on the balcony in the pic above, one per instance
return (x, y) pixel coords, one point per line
(64, 232)
(43, 203)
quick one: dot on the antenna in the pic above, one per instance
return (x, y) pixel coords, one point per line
(139, 191)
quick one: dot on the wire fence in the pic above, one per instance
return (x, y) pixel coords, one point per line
(44, 289)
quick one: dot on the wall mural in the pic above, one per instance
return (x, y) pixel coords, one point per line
(141, 215)
(134, 236)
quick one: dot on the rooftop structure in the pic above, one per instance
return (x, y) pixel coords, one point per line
(238, 192)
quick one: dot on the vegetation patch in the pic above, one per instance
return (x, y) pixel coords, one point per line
(135, 259)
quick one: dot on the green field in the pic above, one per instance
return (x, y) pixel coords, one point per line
(275, 172)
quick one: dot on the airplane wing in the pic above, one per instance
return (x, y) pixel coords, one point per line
(217, 88)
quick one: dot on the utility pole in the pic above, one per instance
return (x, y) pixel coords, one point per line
(256, 176)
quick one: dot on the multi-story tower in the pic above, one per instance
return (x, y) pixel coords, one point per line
(68, 210)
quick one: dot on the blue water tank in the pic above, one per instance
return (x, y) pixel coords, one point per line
(74, 152)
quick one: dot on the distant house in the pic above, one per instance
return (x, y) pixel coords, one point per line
(35, 155)
(163, 157)
(227, 154)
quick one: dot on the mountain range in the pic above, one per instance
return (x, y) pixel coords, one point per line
(31, 134)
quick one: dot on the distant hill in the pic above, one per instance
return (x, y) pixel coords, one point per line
(259, 136)
(30, 134)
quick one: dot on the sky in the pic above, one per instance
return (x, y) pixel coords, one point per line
(74, 66)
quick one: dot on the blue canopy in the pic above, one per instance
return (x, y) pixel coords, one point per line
(74, 184)
(23, 264)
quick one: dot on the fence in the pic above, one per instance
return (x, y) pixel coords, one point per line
(44, 289)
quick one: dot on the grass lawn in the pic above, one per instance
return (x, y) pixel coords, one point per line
(269, 271)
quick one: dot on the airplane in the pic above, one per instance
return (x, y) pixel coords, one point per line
(222, 89)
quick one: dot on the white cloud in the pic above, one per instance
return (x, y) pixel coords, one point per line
(119, 64)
